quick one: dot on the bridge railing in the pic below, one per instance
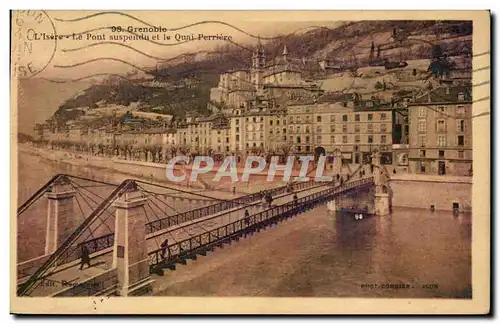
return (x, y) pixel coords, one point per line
(190, 215)
(206, 240)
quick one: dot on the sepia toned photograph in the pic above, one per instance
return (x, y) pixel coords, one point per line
(335, 159)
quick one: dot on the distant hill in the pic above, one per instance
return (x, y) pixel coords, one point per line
(190, 82)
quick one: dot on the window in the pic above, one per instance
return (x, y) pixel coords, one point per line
(383, 116)
(237, 121)
(383, 128)
(319, 139)
(298, 129)
(357, 139)
(461, 110)
(237, 137)
(383, 139)
(254, 120)
(299, 148)
(218, 132)
(422, 112)
(277, 122)
(332, 118)
(461, 140)
(460, 154)
(308, 119)
(422, 140)
(356, 128)
(441, 140)
(370, 116)
(356, 117)
(307, 139)
(422, 126)
(291, 119)
(461, 125)
(344, 139)
(440, 126)
(422, 166)
(227, 148)
(271, 123)
(370, 138)
(344, 128)
(298, 119)
(441, 109)
(318, 119)
(422, 153)
(344, 118)
(370, 128)
(308, 148)
(261, 119)
(441, 153)
(298, 140)
(332, 128)
(332, 139)
(237, 129)
(318, 129)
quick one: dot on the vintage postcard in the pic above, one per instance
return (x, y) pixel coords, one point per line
(250, 162)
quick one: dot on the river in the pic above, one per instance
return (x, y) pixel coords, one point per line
(410, 253)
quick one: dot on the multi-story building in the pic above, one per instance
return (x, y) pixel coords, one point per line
(440, 132)
(354, 131)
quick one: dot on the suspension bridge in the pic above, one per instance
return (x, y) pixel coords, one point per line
(124, 227)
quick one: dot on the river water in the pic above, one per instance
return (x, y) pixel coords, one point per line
(410, 253)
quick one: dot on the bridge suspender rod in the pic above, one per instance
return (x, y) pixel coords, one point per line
(23, 289)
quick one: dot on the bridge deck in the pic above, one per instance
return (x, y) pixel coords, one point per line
(61, 280)
(198, 226)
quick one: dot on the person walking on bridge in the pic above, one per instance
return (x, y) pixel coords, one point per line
(164, 248)
(295, 199)
(247, 217)
(85, 257)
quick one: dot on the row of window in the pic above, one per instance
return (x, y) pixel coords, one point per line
(441, 125)
(333, 118)
(333, 128)
(440, 110)
(440, 140)
(441, 154)
(341, 139)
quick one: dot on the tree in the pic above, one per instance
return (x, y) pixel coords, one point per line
(379, 86)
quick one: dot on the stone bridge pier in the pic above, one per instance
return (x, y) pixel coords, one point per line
(383, 205)
(61, 218)
(130, 255)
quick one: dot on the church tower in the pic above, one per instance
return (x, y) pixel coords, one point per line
(258, 66)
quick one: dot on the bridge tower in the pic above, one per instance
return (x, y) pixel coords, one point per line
(130, 255)
(61, 219)
(382, 199)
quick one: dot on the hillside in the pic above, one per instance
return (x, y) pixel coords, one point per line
(350, 43)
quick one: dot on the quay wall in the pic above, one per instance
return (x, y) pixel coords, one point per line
(422, 191)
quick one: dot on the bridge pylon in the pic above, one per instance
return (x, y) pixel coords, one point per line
(382, 198)
(61, 219)
(130, 255)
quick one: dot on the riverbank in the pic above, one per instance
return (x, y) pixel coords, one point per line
(153, 172)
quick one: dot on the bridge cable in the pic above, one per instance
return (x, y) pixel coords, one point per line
(182, 227)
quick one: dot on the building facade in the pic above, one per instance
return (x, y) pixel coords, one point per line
(440, 132)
